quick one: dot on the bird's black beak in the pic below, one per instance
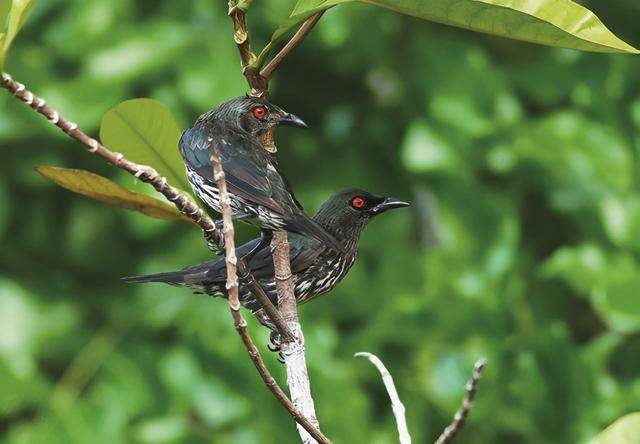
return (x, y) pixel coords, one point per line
(292, 120)
(389, 203)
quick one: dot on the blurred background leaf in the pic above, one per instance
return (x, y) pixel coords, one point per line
(522, 164)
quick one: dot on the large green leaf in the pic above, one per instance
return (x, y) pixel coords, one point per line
(17, 11)
(145, 131)
(102, 189)
(625, 430)
(550, 22)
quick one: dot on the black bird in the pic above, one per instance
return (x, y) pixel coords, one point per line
(315, 266)
(242, 131)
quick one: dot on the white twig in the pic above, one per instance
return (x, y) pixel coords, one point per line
(396, 405)
(461, 415)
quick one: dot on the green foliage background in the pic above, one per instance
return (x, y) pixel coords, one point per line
(522, 244)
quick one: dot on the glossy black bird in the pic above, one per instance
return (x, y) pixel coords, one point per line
(242, 131)
(315, 266)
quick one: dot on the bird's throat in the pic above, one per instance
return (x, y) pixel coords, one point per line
(267, 142)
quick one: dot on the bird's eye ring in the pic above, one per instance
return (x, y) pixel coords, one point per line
(259, 112)
(358, 203)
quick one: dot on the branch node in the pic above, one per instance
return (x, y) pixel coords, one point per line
(93, 146)
(119, 157)
(54, 117)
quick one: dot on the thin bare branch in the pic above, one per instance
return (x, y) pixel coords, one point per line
(150, 176)
(234, 305)
(461, 415)
(396, 405)
(257, 83)
(297, 38)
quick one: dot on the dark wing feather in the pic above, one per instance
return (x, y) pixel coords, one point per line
(249, 170)
(303, 253)
(252, 174)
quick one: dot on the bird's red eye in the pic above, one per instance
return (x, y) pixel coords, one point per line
(358, 202)
(259, 112)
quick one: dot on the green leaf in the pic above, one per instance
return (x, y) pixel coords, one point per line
(549, 22)
(102, 189)
(618, 303)
(5, 6)
(625, 430)
(145, 131)
(18, 11)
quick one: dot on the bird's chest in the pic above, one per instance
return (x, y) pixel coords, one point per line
(325, 274)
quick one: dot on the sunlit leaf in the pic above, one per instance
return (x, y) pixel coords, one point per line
(625, 430)
(18, 11)
(102, 189)
(145, 131)
(550, 22)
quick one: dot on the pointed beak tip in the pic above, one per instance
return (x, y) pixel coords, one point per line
(293, 120)
(389, 204)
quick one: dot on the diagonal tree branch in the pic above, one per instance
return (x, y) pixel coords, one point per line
(297, 38)
(396, 405)
(461, 415)
(234, 305)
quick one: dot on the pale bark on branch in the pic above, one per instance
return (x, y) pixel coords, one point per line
(396, 405)
(293, 352)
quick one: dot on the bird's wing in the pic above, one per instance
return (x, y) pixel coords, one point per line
(250, 171)
(303, 253)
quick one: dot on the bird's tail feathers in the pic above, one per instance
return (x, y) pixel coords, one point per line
(172, 277)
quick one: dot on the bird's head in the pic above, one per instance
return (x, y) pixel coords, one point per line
(347, 212)
(257, 117)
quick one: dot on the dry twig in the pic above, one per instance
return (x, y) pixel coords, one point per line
(396, 405)
(461, 415)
